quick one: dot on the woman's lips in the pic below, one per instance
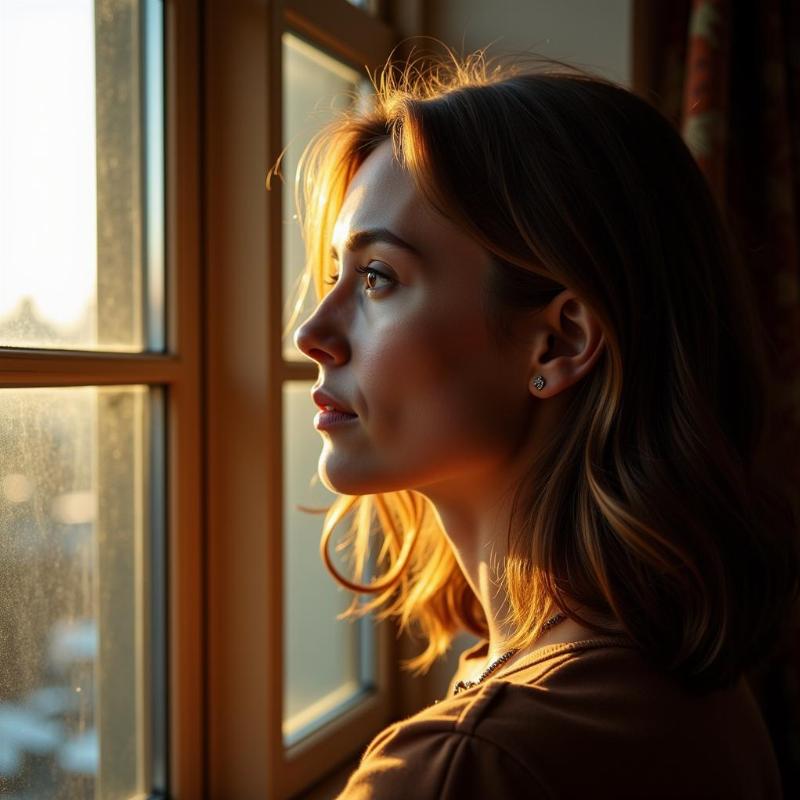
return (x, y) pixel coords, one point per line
(331, 419)
(326, 401)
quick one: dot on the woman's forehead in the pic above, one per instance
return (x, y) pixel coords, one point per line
(381, 180)
(383, 195)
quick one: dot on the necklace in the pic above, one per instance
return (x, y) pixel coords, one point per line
(462, 685)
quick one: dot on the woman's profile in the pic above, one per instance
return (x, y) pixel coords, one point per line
(543, 399)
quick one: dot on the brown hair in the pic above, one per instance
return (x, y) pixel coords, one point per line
(651, 504)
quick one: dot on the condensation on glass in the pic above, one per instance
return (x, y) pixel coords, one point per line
(329, 664)
(81, 175)
(78, 535)
(315, 86)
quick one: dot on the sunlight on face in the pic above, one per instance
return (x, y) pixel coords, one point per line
(407, 348)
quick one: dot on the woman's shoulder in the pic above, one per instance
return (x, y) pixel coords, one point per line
(542, 661)
(597, 703)
(600, 684)
(435, 755)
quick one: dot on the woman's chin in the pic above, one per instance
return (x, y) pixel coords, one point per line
(339, 480)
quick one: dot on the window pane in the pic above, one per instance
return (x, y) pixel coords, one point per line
(81, 174)
(80, 564)
(329, 664)
(314, 85)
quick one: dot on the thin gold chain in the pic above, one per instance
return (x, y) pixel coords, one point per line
(462, 685)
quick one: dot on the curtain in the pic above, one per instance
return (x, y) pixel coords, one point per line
(727, 75)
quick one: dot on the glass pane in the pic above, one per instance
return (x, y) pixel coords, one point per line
(81, 174)
(314, 86)
(79, 545)
(328, 663)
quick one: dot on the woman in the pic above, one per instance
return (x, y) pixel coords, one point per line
(542, 383)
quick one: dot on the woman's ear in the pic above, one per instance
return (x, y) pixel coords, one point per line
(566, 340)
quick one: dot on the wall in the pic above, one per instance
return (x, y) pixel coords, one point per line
(591, 34)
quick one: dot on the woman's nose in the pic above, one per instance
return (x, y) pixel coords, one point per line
(323, 346)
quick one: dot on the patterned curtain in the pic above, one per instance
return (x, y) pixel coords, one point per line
(727, 74)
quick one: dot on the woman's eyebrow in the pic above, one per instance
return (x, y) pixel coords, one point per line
(361, 239)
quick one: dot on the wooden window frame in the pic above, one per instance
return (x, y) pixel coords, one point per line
(244, 373)
(222, 372)
(177, 371)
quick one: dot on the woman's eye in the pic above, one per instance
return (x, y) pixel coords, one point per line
(366, 271)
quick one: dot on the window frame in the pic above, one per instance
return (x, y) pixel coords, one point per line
(176, 763)
(244, 377)
(222, 372)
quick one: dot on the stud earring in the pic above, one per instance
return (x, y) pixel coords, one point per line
(538, 382)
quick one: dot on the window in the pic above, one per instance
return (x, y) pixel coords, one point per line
(159, 587)
(294, 693)
(80, 553)
(328, 664)
(84, 395)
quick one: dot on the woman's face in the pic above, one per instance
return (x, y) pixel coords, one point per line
(440, 406)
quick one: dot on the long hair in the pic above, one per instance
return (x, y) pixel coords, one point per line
(651, 504)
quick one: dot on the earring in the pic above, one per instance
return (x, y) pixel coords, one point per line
(538, 382)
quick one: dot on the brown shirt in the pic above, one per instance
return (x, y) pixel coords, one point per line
(587, 719)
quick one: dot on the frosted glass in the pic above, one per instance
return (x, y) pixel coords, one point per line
(77, 582)
(314, 84)
(328, 662)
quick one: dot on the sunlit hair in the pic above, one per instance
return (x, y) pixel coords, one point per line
(650, 504)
